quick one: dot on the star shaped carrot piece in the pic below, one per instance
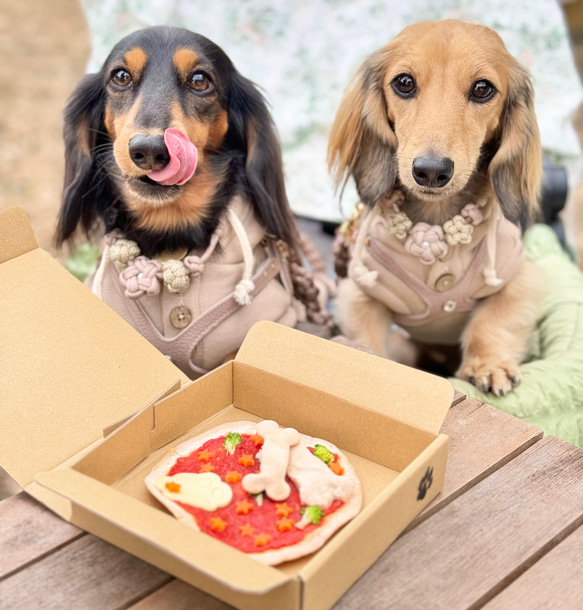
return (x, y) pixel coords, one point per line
(284, 525)
(243, 507)
(172, 486)
(336, 468)
(246, 459)
(257, 439)
(247, 529)
(218, 524)
(233, 476)
(207, 467)
(262, 539)
(283, 510)
(204, 456)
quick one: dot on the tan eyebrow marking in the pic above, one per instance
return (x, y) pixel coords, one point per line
(185, 60)
(135, 60)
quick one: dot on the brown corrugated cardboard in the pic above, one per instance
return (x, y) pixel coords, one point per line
(384, 416)
(63, 356)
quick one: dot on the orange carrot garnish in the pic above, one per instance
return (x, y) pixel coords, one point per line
(284, 525)
(204, 456)
(282, 510)
(246, 459)
(257, 439)
(243, 507)
(262, 539)
(247, 529)
(218, 524)
(233, 476)
(336, 468)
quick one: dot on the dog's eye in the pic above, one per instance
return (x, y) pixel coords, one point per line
(199, 81)
(404, 85)
(122, 78)
(482, 91)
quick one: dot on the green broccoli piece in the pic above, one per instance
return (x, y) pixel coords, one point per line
(323, 453)
(231, 441)
(310, 514)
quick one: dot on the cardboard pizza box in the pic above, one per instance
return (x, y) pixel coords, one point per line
(88, 407)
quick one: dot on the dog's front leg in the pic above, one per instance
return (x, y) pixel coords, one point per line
(494, 342)
(363, 319)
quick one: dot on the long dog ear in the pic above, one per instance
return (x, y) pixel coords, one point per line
(84, 131)
(251, 129)
(362, 142)
(516, 168)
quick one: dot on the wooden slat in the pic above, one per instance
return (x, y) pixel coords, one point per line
(475, 546)
(28, 532)
(555, 581)
(481, 440)
(88, 573)
(178, 595)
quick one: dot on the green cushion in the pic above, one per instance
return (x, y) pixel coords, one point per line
(551, 392)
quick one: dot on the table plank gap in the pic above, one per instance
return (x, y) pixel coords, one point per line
(528, 563)
(146, 593)
(470, 547)
(474, 455)
(554, 581)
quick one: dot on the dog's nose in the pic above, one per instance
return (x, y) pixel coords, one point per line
(432, 171)
(149, 152)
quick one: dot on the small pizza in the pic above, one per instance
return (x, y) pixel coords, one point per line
(270, 492)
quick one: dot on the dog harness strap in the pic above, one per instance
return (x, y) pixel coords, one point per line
(438, 303)
(180, 347)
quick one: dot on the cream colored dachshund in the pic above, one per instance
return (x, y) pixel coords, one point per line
(438, 131)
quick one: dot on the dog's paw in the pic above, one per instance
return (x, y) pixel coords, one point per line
(490, 375)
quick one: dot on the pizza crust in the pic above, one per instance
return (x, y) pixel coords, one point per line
(312, 541)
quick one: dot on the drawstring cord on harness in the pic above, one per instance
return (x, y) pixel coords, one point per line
(242, 294)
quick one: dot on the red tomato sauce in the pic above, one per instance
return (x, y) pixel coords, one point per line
(263, 519)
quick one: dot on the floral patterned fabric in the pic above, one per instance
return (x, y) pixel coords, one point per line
(303, 54)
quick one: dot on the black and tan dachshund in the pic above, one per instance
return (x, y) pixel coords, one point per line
(173, 155)
(155, 79)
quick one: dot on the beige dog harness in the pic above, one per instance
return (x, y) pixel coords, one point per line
(432, 277)
(197, 309)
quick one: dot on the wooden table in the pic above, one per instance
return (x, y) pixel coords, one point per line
(504, 533)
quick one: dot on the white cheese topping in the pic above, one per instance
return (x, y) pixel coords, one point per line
(274, 461)
(317, 483)
(203, 490)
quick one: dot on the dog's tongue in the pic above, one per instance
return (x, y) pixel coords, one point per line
(183, 158)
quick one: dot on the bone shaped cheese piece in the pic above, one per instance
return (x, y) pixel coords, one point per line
(274, 461)
(317, 484)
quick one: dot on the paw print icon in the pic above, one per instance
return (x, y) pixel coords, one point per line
(425, 483)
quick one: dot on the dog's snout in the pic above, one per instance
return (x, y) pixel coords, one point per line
(149, 152)
(432, 171)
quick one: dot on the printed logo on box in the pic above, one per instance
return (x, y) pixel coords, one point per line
(425, 483)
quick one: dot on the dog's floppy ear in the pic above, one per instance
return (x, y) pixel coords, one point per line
(251, 130)
(516, 168)
(84, 185)
(362, 142)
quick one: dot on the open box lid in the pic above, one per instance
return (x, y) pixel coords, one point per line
(69, 365)
(404, 394)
